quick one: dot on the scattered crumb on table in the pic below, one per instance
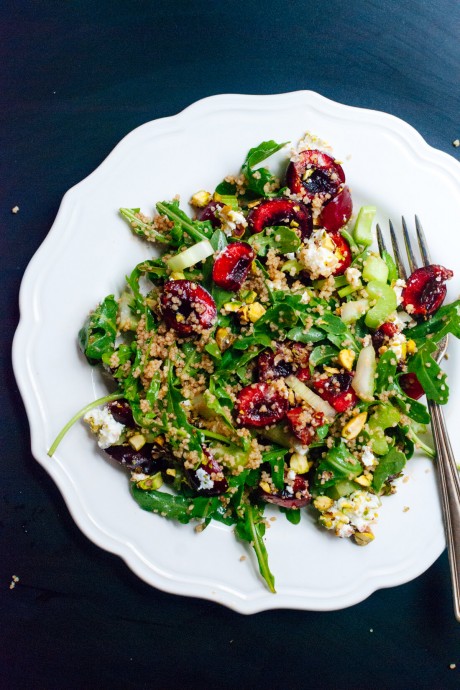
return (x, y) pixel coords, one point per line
(456, 143)
(15, 209)
(13, 582)
(452, 666)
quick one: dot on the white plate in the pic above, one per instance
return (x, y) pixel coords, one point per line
(86, 255)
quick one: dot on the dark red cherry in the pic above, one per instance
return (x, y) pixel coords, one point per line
(232, 265)
(147, 460)
(259, 405)
(343, 253)
(314, 174)
(187, 307)
(337, 212)
(303, 374)
(211, 213)
(281, 212)
(271, 365)
(295, 496)
(121, 412)
(208, 479)
(411, 386)
(337, 391)
(386, 331)
(425, 290)
(288, 358)
(304, 423)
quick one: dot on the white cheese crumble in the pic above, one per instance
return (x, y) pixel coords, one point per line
(398, 287)
(205, 479)
(105, 426)
(318, 255)
(398, 345)
(231, 220)
(353, 276)
(368, 457)
(290, 256)
(300, 449)
(350, 514)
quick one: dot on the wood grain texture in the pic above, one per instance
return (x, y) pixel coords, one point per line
(76, 77)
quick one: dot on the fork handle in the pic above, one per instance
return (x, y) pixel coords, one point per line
(449, 483)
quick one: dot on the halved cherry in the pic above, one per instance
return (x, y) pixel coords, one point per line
(386, 331)
(315, 174)
(259, 405)
(289, 357)
(121, 412)
(337, 212)
(208, 479)
(187, 307)
(211, 213)
(303, 374)
(232, 265)
(295, 496)
(149, 459)
(304, 423)
(411, 386)
(281, 212)
(425, 290)
(271, 365)
(337, 391)
(343, 252)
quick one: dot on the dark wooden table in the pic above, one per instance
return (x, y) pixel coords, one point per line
(76, 77)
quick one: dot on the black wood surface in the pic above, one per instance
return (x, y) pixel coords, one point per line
(75, 78)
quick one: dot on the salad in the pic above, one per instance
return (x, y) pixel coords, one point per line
(266, 354)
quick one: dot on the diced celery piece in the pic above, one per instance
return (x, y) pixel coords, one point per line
(385, 417)
(362, 232)
(342, 488)
(280, 435)
(392, 270)
(384, 306)
(375, 268)
(364, 380)
(352, 311)
(349, 290)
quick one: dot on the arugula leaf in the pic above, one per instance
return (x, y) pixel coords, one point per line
(299, 335)
(196, 229)
(97, 336)
(445, 320)
(322, 354)
(389, 465)
(338, 464)
(338, 332)
(280, 316)
(411, 408)
(386, 371)
(141, 228)
(180, 508)
(260, 180)
(293, 515)
(429, 373)
(278, 237)
(275, 458)
(251, 528)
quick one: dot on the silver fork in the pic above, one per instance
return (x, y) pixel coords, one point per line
(448, 476)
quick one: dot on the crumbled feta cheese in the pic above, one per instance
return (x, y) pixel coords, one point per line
(398, 345)
(300, 449)
(205, 479)
(290, 256)
(305, 298)
(350, 514)
(289, 489)
(318, 255)
(277, 284)
(105, 426)
(398, 287)
(368, 457)
(231, 220)
(291, 475)
(353, 276)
